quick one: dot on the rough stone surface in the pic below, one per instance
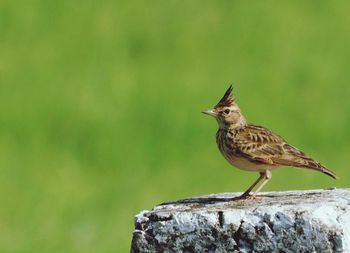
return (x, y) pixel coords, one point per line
(293, 221)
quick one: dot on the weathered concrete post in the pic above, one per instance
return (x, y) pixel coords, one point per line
(293, 221)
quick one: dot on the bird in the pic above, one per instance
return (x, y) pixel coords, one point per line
(255, 148)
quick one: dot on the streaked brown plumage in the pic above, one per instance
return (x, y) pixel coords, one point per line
(255, 148)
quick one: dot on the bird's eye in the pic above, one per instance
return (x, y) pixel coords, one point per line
(227, 111)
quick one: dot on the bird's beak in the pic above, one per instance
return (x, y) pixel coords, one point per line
(210, 112)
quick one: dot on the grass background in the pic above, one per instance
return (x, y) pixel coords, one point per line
(100, 107)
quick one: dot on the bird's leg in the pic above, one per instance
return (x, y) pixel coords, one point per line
(246, 193)
(268, 176)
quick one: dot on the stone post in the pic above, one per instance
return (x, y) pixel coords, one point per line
(292, 221)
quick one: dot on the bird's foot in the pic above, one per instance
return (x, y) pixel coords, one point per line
(245, 196)
(250, 197)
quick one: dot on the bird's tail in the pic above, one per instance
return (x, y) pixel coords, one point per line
(303, 161)
(309, 163)
(299, 159)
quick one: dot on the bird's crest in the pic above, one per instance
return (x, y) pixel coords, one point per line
(227, 99)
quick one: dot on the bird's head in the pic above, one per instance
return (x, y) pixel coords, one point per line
(226, 112)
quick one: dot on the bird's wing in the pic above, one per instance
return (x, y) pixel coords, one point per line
(260, 145)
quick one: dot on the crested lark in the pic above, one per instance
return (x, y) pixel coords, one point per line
(254, 148)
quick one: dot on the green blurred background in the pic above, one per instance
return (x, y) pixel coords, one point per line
(100, 107)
